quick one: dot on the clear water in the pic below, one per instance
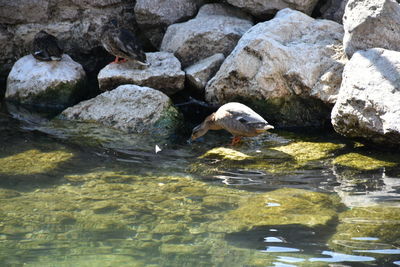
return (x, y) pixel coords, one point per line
(82, 195)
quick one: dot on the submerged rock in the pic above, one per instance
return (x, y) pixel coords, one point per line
(130, 108)
(163, 73)
(201, 72)
(367, 104)
(262, 8)
(372, 23)
(215, 29)
(155, 16)
(55, 84)
(287, 66)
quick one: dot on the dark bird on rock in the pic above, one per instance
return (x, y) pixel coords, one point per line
(46, 47)
(122, 43)
(236, 118)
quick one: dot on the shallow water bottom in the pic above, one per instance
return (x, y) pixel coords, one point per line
(82, 195)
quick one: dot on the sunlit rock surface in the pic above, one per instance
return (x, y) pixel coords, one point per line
(163, 73)
(155, 16)
(129, 108)
(215, 29)
(363, 162)
(286, 68)
(367, 104)
(201, 72)
(371, 23)
(56, 84)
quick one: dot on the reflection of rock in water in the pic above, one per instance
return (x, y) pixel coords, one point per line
(368, 188)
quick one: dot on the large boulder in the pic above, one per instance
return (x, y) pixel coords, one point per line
(371, 23)
(216, 29)
(368, 101)
(154, 16)
(279, 64)
(163, 73)
(54, 84)
(262, 8)
(201, 72)
(129, 108)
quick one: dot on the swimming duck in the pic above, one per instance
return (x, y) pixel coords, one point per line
(236, 118)
(46, 47)
(121, 43)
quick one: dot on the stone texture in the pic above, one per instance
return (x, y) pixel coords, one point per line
(368, 102)
(371, 23)
(215, 29)
(155, 16)
(292, 55)
(333, 10)
(261, 8)
(163, 73)
(55, 84)
(129, 108)
(201, 72)
(23, 11)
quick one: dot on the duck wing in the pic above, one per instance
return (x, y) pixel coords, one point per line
(128, 44)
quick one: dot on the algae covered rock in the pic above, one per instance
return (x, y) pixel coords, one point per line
(129, 108)
(163, 73)
(54, 84)
(289, 69)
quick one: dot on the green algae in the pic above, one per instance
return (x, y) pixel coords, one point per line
(170, 119)
(225, 154)
(378, 222)
(33, 161)
(363, 162)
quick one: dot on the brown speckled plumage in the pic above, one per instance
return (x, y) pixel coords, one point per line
(236, 118)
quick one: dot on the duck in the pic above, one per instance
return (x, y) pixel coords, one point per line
(236, 118)
(46, 47)
(122, 43)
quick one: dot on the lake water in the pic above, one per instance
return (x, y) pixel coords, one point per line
(77, 194)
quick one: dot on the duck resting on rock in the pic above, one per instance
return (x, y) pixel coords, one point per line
(122, 43)
(236, 118)
(46, 47)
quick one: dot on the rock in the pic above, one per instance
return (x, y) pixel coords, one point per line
(155, 16)
(215, 29)
(262, 8)
(371, 23)
(279, 64)
(201, 72)
(54, 84)
(368, 101)
(333, 10)
(163, 73)
(23, 11)
(129, 108)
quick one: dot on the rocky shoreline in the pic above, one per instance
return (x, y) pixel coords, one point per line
(309, 64)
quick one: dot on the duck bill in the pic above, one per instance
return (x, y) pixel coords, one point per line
(265, 128)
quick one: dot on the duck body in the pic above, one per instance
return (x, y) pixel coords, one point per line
(122, 43)
(236, 118)
(46, 47)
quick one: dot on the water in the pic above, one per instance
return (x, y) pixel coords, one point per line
(83, 195)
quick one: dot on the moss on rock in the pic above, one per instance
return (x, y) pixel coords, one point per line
(363, 162)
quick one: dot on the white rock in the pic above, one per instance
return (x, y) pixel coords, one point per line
(216, 29)
(368, 104)
(129, 108)
(290, 55)
(260, 8)
(154, 16)
(201, 72)
(371, 23)
(163, 73)
(51, 84)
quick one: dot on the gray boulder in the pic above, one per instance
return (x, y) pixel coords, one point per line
(154, 16)
(368, 101)
(56, 84)
(129, 108)
(333, 10)
(261, 8)
(201, 72)
(371, 23)
(216, 29)
(282, 64)
(163, 73)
